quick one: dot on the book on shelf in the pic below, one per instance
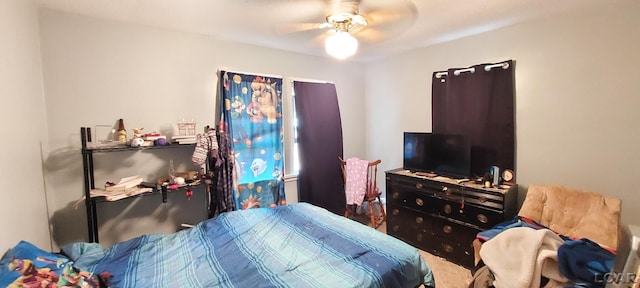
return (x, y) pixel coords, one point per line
(183, 136)
(125, 183)
(194, 141)
(185, 139)
(153, 137)
(119, 194)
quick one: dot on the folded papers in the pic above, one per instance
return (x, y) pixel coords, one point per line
(126, 187)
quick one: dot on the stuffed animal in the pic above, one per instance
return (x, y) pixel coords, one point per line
(137, 132)
(137, 142)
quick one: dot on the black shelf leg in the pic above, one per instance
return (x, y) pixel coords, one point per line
(164, 193)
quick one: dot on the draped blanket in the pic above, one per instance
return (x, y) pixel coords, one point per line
(356, 180)
(582, 261)
(520, 255)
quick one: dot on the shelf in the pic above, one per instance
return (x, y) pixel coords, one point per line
(89, 148)
(129, 148)
(156, 191)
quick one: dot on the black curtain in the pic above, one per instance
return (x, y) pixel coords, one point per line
(319, 145)
(478, 101)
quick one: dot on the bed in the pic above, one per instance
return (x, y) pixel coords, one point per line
(297, 245)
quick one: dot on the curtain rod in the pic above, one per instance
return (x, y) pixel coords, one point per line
(457, 72)
(504, 65)
(249, 73)
(487, 68)
(291, 79)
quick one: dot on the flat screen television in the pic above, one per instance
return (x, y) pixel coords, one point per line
(442, 154)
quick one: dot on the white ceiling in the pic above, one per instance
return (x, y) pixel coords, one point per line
(414, 23)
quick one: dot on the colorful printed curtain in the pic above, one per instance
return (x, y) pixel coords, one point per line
(252, 113)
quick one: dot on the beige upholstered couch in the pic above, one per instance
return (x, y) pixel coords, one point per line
(574, 213)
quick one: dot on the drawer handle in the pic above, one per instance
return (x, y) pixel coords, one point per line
(396, 212)
(419, 237)
(483, 199)
(447, 229)
(483, 218)
(396, 228)
(447, 248)
(419, 220)
(419, 185)
(447, 209)
(419, 202)
(395, 195)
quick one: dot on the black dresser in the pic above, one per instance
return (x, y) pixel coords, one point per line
(441, 216)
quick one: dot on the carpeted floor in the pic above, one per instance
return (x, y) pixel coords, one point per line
(447, 274)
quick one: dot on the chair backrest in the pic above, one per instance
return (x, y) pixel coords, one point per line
(574, 213)
(372, 172)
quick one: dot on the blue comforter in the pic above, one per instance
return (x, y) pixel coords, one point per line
(298, 245)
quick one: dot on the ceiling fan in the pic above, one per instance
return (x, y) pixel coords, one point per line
(369, 20)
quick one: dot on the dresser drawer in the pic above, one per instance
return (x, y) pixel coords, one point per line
(483, 218)
(468, 213)
(460, 253)
(409, 226)
(449, 209)
(454, 231)
(409, 198)
(408, 218)
(424, 187)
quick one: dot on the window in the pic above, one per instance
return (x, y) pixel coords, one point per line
(292, 166)
(294, 127)
(291, 126)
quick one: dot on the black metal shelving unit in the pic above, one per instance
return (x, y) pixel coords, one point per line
(88, 150)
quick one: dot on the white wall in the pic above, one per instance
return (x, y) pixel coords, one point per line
(577, 98)
(22, 198)
(96, 71)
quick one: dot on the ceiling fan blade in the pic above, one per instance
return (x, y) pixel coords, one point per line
(382, 17)
(319, 39)
(385, 20)
(342, 6)
(299, 27)
(377, 15)
(371, 35)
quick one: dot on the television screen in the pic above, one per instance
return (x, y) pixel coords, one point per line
(442, 154)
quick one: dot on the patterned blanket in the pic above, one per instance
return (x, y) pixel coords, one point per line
(26, 265)
(298, 245)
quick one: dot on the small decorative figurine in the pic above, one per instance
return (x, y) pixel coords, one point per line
(137, 132)
(161, 142)
(122, 133)
(137, 142)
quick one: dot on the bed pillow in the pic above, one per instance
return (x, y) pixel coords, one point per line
(83, 254)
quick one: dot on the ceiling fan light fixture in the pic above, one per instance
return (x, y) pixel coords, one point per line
(346, 20)
(341, 45)
(358, 20)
